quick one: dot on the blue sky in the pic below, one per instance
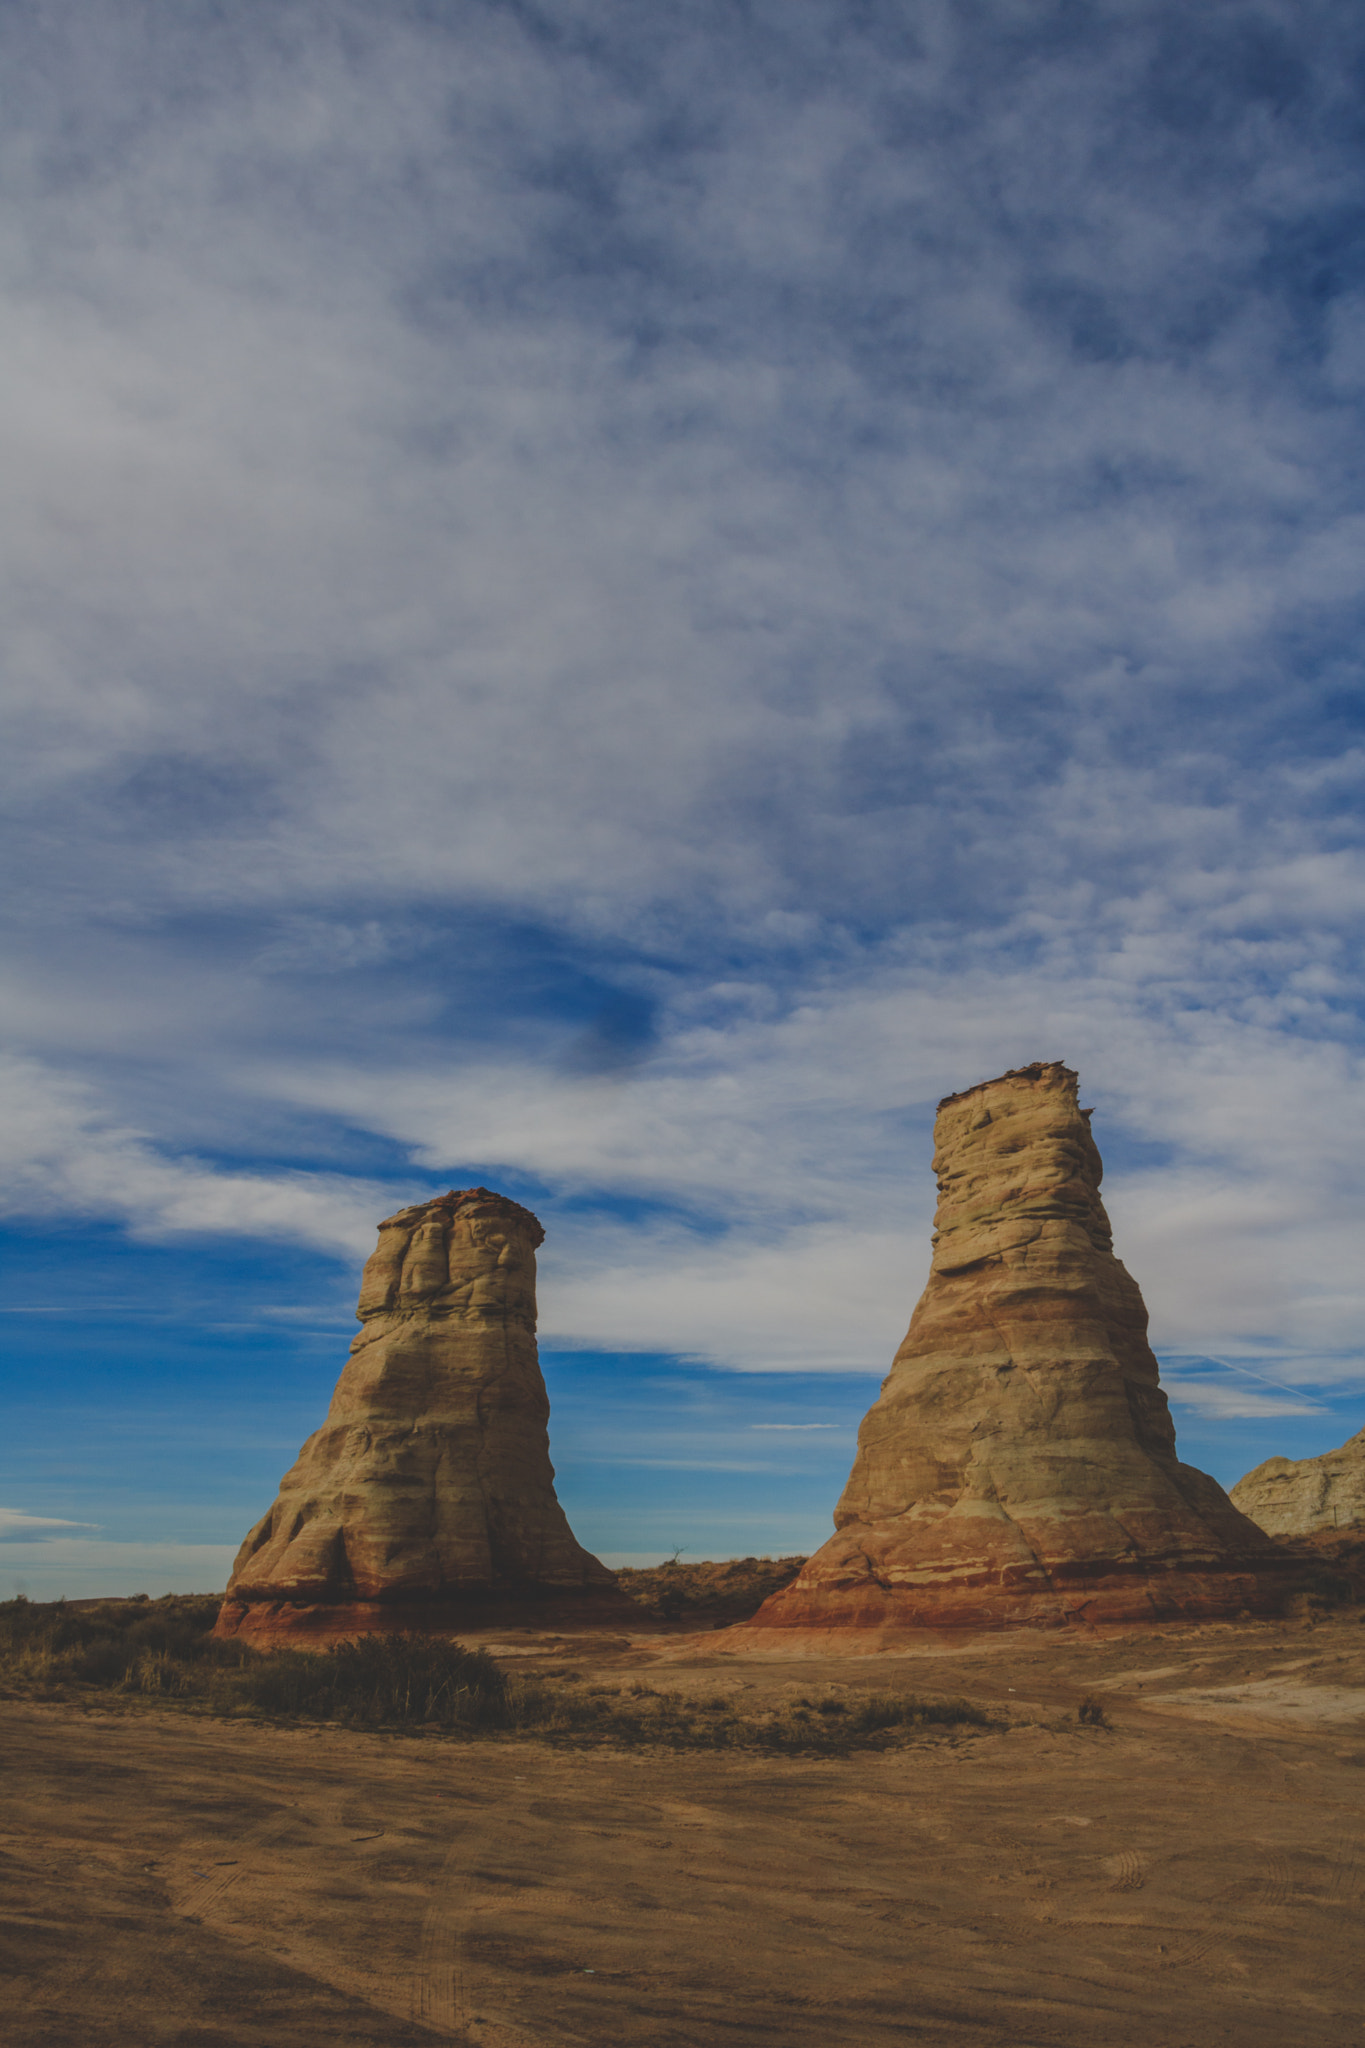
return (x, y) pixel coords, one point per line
(612, 600)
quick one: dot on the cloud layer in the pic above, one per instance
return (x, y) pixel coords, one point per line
(624, 600)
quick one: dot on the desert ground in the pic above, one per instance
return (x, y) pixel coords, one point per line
(1192, 1873)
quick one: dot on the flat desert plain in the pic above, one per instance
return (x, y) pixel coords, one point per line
(1192, 1874)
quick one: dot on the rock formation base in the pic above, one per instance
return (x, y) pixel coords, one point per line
(288, 1624)
(1046, 1598)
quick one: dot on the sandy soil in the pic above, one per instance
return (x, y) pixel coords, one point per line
(1193, 1875)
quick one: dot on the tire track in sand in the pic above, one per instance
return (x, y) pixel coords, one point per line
(442, 1996)
(192, 1893)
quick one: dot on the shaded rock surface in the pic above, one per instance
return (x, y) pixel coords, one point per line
(427, 1498)
(1300, 1496)
(706, 1593)
(1020, 1463)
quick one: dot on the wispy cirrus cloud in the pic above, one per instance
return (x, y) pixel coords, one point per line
(1218, 1401)
(17, 1527)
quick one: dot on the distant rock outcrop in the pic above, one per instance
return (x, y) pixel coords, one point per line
(1300, 1496)
(427, 1498)
(1020, 1463)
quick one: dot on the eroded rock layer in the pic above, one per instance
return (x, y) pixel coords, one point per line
(1300, 1496)
(1020, 1463)
(427, 1498)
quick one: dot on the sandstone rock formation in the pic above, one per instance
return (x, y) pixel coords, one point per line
(1300, 1496)
(1020, 1463)
(427, 1497)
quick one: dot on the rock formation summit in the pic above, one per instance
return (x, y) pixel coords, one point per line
(1305, 1496)
(1020, 1463)
(427, 1498)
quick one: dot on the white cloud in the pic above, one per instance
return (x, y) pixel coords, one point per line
(66, 1155)
(338, 474)
(17, 1527)
(804, 1140)
(790, 1155)
(1217, 1401)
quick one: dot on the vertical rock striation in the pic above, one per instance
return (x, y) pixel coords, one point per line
(1020, 1463)
(1305, 1496)
(427, 1497)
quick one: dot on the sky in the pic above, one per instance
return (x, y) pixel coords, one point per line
(609, 601)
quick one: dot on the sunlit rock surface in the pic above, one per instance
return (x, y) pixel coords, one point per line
(427, 1498)
(1301, 1496)
(1020, 1463)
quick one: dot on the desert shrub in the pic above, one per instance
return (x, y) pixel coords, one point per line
(840, 1725)
(396, 1681)
(132, 1645)
(676, 1721)
(1090, 1713)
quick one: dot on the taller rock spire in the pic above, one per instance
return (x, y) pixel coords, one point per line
(427, 1498)
(1020, 1463)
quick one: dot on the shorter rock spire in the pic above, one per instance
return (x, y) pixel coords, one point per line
(427, 1498)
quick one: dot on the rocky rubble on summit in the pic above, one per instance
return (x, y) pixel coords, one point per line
(427, 1498)
(1020, 1463)
(1307, 1496)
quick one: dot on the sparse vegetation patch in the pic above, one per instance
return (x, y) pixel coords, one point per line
(162, 1650)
